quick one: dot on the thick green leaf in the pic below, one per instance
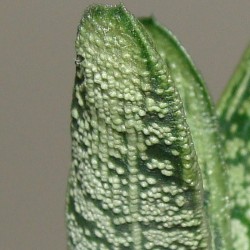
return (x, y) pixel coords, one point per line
(234, 114)
(204, 129)
(135, 181)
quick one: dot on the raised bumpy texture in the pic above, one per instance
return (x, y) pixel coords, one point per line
(134, 182)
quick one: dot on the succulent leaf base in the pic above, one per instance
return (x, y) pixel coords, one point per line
(155, 165)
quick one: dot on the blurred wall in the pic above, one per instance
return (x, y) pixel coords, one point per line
(36, 79)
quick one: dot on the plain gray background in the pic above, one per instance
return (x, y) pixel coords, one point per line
(36, 79)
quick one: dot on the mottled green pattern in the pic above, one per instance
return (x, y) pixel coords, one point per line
(234, 113)
(204, 129)
(135, 181)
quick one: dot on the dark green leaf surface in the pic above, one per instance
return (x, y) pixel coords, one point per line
(134, 182)
(203, 125)
(234, 114)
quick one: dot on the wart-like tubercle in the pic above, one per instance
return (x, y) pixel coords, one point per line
(135, 181)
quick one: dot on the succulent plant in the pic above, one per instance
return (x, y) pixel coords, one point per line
(152, 165)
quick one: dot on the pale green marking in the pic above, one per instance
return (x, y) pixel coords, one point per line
(233, 128)
(233, 147)
(244, 108)
(240, 238)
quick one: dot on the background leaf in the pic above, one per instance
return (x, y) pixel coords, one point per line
(234, 114)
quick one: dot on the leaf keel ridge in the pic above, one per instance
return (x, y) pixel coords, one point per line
(203, 125)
